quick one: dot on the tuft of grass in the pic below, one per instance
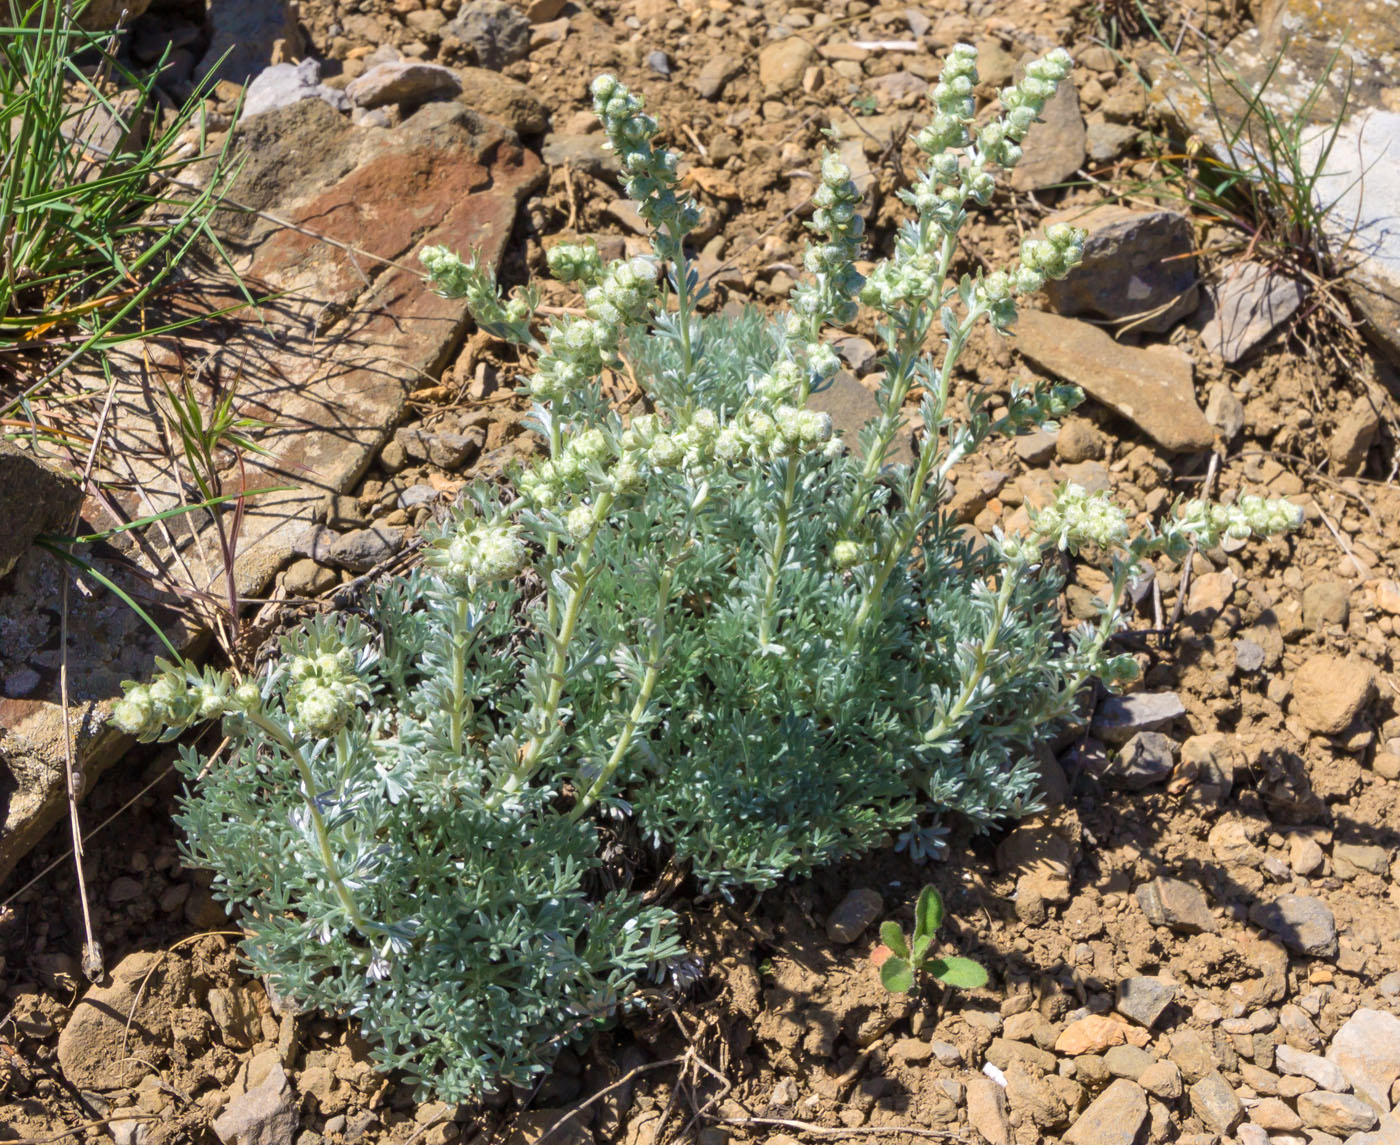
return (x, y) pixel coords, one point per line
(93, 215)
(1257, 181)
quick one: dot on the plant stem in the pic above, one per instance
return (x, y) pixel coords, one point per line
(918, 484)
(323, 840)
(775, 564)
(530, 754)
(639, 709)
(984, 654)
(460, 640)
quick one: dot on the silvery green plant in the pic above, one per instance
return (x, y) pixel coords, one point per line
(703, 624)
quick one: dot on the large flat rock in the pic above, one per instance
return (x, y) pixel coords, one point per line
(345, 329)
(1357, 159)
(1152, 388)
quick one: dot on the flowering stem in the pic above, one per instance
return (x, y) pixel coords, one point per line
(530, 754)
(308, 794)
(918, 485)
(775, 563)
(984, 654)
(460, 640)
(639, 708)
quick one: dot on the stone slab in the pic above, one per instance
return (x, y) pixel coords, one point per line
(325, 362)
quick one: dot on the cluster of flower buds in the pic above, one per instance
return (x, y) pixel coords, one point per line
(471, 552)
(999, 142)
(1208, 523)
(953, 103)
(849, 554)
(649, 174)
(584, 463)
(1054, 256)
(575, 262)
(477, 284)
(786, 432)
(177, 698)
(830, 296)
(324, 690)
(623, 293)
(908, 279)
(1077, 518)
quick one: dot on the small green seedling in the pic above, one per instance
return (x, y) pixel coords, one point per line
(909, 961)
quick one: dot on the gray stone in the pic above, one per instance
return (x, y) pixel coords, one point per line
(986, 1111)
(284, 84)
(1152, 388)
(1245, 307)
(581, 152)
(1350, 858)
(405, 82)
(1339, 1113)
(1162, 1079)
(305, 578)
(1119, 718)
(853, 914)
(450, 451)
(244, 35)
(95, 1046)
(1215, 1103)
(1139, 267)
(1326, 602)
(1002, 1052)
(1225, 411)
(716, 71)
(363, 549)
(1367, 1050)
(503, 99)
(850, 405)
(1035, 448)
(1116, 1117)
(1303, 924)
(34, 499)
(264, 1115)
(1143, 999)
(1177, 905)
(1147, 758)
(1127, 1061)
(659, 62)
(782, 64)
(1106, 142)
(496, 31)
(1249, 656)
(1298, 1063)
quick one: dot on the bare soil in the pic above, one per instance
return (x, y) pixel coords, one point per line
(787, 1033)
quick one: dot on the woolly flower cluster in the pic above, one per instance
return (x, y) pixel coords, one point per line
(624, 292)
(649, 174)
(1077, 518)
(173, 701)
(579, 465)
(577, 349)
(911, 278)
(999, 141)
(1054, 256)
(830, 296)
(469, 280)
(786, 432)
(475, 552)
(575, 262)
(324, 690)
(952, 101)
(1250, 516)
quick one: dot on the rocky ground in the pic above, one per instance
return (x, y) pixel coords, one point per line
(1197, 940)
